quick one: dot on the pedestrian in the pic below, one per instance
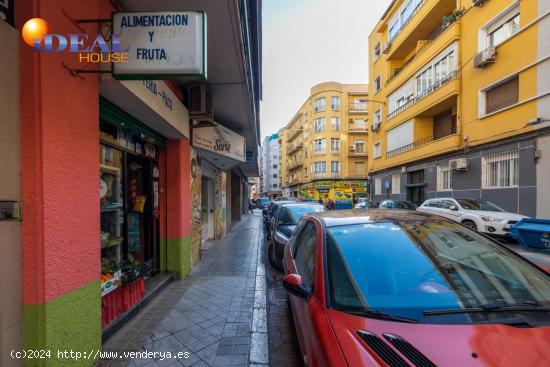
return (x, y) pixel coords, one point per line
(250, 207)
(320, 201)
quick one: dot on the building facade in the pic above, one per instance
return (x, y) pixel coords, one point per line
(324, 154)
(460, 111)
(81, 248)
(271, 181)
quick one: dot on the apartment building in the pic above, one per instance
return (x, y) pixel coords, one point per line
(462, 102)
(271, 182)
(324, 154)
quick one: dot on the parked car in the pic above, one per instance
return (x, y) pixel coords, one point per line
(397, 288)
(362, 205)
(477, 214)
(269, 212)
(263, 202)
(286, 198)
(398, 204)
(283, 224)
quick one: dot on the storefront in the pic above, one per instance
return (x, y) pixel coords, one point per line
(343, 193)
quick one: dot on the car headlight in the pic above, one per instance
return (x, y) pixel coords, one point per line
(280, 237)
(492, 219)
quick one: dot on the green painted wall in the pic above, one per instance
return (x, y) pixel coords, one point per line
(179, 256)
(69, 322)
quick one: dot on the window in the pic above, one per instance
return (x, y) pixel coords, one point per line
(376, 51)
(335, 103)
(501, 28)
(335, 166)
(305, 254)
(394, 29)
(434, 204)
(378, 186)
(319, 125)
(335, 144)
(274, 175)
(424, 81)
(319, 145)
(319, 104)
(305, 172)
(275, 185)
(377, 83)
(447, 204)
(274, 166)
(400, 137)
(444, 67)
(377, 119)
(500, 170)
(444, 177)
(320, 167)
(396, 183)
(502, 95)
(444, 124)
(377, 150)
(360, 146)
(336, 123)
(360, 169)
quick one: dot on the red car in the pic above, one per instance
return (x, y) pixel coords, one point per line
(403, 288)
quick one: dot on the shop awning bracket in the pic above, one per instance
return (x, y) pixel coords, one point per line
(77, 72)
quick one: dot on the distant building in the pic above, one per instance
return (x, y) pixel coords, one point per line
(270, 153)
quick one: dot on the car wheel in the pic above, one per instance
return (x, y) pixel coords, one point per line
(470, 224)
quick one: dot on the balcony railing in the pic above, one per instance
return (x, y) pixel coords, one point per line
(424, 94)
(321, 175)
(408, 147)
(294, 148)
(293, 134)
(320, 152)
(431, 38)
(407, 21)
(335, 174)
(357, 128)
(357, 107)
(355, 153)
(293, 166)
(335, 151)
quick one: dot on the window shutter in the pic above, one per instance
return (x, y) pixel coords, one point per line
(503, 95)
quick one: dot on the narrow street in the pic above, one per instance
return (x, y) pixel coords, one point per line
(217, 313)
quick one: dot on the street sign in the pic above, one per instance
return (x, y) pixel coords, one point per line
(161, 45)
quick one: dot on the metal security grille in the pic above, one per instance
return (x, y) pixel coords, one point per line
(500, 170)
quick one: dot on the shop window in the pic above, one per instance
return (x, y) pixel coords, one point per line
(396, 183)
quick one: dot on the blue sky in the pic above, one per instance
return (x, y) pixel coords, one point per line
(306, 42)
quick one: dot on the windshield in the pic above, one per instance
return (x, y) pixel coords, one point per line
(406, 268)
(469, 204)
(293, 214)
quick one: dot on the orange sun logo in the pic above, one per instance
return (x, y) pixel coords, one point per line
(34, 29)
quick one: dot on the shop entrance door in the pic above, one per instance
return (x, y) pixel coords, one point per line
(207, 209)
(415, 187)
(143, 223)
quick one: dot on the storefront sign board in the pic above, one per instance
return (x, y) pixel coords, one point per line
(220, 140)
(161, 45)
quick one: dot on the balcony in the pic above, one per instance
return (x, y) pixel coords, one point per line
(426, 50)
(358, 107)
(294, 148)
(321, 175)
(444, 88)
(357, 128)
(419, 26)
(358, 175)
(293, 134)
(295, 165)
(356, 153)
(320, 152)
(335, 152)
(424, 147)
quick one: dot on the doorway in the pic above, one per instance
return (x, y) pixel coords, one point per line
(207, 209)
(415, 187)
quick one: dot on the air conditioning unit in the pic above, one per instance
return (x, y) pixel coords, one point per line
(386, 47)
(478, 2)
(352, 147)
(485, 57)
(460, 164)
(198, 101)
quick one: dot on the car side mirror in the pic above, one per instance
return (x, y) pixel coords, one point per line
(454, 207)
(294, 284)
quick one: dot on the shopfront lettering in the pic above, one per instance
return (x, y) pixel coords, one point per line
(168, 20)
(150, 54)
(222, 146)
(151, 86)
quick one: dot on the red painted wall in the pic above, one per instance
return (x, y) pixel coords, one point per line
(178, 188)
(60, 158)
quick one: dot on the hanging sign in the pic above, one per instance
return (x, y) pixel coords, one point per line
(219, 139)
(161, 45)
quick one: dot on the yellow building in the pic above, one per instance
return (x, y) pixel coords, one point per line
(323, 149)
(461, 90)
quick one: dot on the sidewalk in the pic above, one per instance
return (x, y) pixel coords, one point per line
(216, 314)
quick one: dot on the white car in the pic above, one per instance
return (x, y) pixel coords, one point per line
(477, 214)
